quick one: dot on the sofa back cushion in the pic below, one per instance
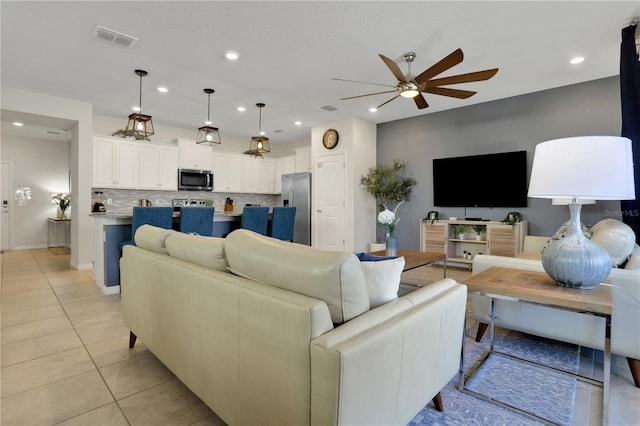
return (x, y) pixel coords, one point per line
(205, 251)
(334, 277)
(152, 238)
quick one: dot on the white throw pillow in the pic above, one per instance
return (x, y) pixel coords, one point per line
(616, 237)
(634, 260)
(382, 278)
(205, 251)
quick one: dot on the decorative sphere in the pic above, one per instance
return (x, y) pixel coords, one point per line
(615, 237)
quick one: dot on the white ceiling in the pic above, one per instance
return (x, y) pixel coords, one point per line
(290, 51)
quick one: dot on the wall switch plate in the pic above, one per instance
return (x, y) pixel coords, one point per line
(109, 201)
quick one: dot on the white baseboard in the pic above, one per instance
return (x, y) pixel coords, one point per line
(114, 289)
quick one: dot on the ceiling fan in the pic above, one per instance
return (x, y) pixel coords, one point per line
(410, 86)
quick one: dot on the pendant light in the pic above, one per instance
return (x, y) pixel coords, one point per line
(139, 124)
(259, 144)
(208, 135)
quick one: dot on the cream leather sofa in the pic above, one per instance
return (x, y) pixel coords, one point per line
(287, 338)
(571, 327)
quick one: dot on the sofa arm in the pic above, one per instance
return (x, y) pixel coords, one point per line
(385, 365)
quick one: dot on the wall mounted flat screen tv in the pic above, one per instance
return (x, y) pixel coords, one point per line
(489, 180)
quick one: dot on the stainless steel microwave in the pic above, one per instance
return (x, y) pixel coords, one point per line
(195, 180)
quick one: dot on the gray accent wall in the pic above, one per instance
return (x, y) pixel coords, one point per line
(513, 124)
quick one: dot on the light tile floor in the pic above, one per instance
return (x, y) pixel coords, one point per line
(65, 358)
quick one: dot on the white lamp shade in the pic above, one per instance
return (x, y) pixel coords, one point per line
(587, 167)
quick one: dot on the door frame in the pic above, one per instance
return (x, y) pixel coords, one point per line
(9, 195)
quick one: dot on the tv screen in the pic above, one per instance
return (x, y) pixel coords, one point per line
(489, 180)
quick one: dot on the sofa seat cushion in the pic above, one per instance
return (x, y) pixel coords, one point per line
(382, 276)
(152, 238)
(334, 277)
(205, 251)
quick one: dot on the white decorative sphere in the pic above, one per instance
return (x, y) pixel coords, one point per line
(616, 237)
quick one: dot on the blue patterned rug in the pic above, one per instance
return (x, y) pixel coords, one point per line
(531, 388)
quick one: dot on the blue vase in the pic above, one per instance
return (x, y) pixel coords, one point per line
(392, 245)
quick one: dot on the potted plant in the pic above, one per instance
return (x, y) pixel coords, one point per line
(389, 187)
(458, 231)
(128, 134)
(513, 218)
(478, 229)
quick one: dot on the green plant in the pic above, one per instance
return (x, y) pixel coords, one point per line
(388, 185)
(458, 229)
(478, 229)
(129, 134)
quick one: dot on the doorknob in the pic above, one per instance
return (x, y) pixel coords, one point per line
(318, 211)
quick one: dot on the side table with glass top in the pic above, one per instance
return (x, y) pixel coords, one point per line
(58, 234)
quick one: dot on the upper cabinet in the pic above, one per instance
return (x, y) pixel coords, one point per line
(227, 172)
(283, 166)
(303, 159)
(115, 163)
(257, 175)
(194, 156)
(159, 167)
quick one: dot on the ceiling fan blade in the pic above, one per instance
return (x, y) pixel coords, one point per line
(421, 103)
(368, 94)
(393, 66)
(461, 78)
(364, 82)
(384, 103)
(451, 60)
(454, 93)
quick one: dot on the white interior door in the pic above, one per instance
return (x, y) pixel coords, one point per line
(5, 194)
(330, 199)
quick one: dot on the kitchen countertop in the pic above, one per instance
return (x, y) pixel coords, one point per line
(127, 214)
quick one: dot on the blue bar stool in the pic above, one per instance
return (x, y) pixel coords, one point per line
(157, 216)
(282, 223)
(255, 219)
(197, 220)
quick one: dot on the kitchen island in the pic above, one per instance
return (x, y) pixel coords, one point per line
(112, 227)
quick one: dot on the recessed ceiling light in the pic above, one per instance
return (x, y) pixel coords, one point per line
(162, 89)
(298, 123)
(18, 124)
(231, 55)
(135, 108)
(576, 60)
(373, 109)
(242, 109)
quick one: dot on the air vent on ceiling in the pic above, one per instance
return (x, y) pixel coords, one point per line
(277, 131)
(329, 108)
(51, 132)
(115, 37)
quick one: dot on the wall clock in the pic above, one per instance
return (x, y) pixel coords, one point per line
(330, 139)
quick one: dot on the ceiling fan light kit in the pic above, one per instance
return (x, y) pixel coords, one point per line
(410, 86)
(208, 135)
(139, 124)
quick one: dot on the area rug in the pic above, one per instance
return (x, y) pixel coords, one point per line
(534, 389)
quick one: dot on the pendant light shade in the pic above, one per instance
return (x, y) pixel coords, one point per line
(259, 144)
(208, 135)
(139, 124)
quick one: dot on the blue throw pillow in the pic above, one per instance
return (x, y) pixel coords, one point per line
(366, 257)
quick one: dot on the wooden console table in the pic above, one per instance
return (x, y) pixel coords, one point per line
(538, 288)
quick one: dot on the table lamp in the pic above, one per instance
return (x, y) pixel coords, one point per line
(580, 169)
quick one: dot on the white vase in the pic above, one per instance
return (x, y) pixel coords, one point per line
(461, 236)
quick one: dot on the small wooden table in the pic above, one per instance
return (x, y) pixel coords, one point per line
(538, 288)
(415, 259)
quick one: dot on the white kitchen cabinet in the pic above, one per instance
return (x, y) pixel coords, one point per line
(257, 175)
(303, 159)
(283, 166)
(159, 167)
(115, 163)
(227, 172)
(194, 156)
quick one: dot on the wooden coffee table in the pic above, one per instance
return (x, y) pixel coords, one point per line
(415, 259)
(538, 288)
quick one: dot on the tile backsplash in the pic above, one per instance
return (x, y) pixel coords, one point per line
(124, 200)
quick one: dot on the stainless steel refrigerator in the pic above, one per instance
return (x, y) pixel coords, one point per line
(296, 192)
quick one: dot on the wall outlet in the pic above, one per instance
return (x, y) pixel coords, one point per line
(109, 201)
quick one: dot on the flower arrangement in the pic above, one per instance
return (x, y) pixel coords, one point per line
(62, 199)
(389, 219)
